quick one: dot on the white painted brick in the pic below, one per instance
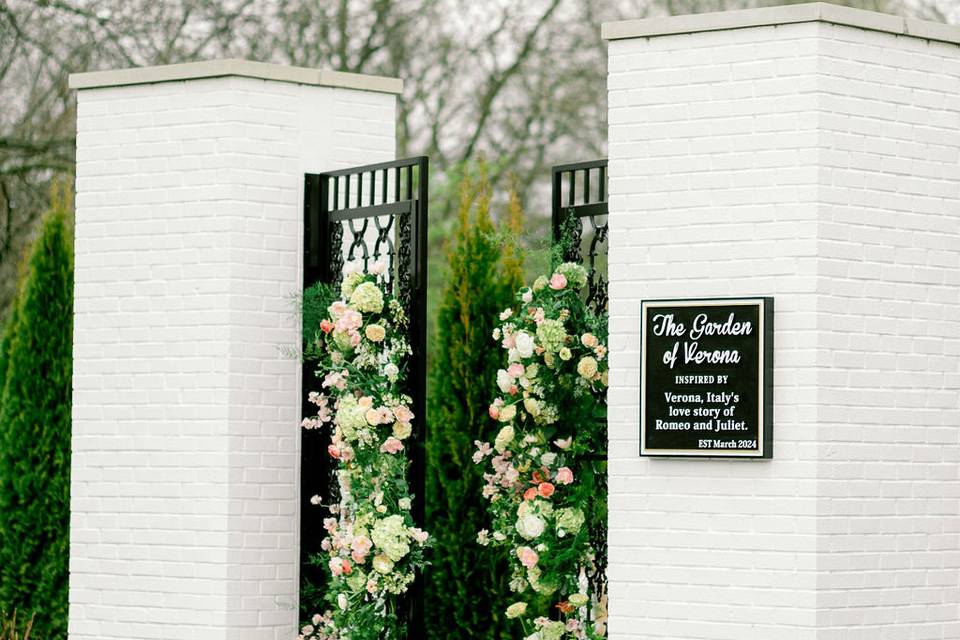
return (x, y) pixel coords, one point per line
(185, 415)
(818, 164)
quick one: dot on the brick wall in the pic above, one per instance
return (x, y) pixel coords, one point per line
(185, 435)
(888, 362)
(816, 163)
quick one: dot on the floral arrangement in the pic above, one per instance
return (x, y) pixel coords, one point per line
(548, 460)
(372, 548)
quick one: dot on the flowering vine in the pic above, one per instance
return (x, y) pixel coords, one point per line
(372, 548)
(547, 463)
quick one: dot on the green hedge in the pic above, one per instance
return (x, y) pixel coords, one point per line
(35, 432)
(466, 585)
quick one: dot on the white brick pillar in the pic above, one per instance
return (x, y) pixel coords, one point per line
(810, 153)
(185, 474)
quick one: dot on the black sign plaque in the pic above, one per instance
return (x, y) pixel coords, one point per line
(706, 378)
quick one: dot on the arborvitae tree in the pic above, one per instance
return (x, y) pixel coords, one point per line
(35, 432)
(467, 585)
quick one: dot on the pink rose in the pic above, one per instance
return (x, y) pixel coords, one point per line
(326, 326)
(334, 451)
(558, 281)
(419, 535)
(528, 557)
(361, 544)
(403, 413)
(530, 493)
(564, 475)
(338, 308)
(545, 489)
(515, 370)
(391, 445)
(494, 411)
(358, 557)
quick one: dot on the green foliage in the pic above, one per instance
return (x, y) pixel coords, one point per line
(467, 586)
(35, 431)
(12, 629)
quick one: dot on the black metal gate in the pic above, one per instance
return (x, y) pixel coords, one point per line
(383, 205)
(580, 192)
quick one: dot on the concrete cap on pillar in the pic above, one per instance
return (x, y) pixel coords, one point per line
(235, 67)
(788, 14)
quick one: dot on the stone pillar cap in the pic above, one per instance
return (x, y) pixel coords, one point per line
(234, 67)
(788, 14)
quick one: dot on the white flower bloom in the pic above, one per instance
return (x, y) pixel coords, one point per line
(531, 526)
(524, 344)
(504, 381)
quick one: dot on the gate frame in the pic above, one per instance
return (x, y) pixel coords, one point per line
(327, 210)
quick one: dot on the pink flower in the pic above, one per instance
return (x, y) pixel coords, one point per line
(545, 489)
(358, 557)
(530, 493)
(334, 451)
(391, 445)
(515, 370)
(326, 326)
(361, 544)
(558, 281)
(528, 557)
(338, 308)
(419, 535)
(403, 413)
(483, 450)
(336, 566)
(350, 319)
(494, 411)
(564, 443)
(564, 475)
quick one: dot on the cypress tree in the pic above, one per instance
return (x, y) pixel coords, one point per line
(466, 585)
(35, 432)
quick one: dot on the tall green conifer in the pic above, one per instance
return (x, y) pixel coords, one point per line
(466, 585)
(35, 432)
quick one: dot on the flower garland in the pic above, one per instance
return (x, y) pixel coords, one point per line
(544, 469)
(372, 548)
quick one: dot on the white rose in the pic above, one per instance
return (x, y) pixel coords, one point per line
(504, 381)
(531, 526)
(391, 371)
(342, 601)
(524, 343)
(504, 438)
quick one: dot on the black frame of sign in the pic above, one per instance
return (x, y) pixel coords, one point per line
(765, 413)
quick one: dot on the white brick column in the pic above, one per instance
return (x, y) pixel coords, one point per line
(184, 490)
(811, 153)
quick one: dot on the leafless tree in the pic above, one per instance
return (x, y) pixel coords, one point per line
(521, 82)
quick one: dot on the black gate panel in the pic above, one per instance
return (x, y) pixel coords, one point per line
(580, 192)
(368, 213)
